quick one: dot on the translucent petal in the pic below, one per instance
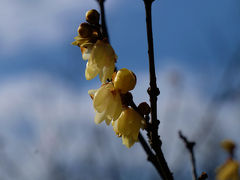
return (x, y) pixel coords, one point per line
(91, 71)
(92, 91)
(106, 73)
(115, 104)
(129, 123)
(86, 50)
(99, 117)
(102, 99)
(118, 104)
(108, 120)
(127, 141)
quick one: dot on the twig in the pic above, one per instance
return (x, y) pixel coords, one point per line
(103, 19)
(189, 146)
(153, 92)
(151, 157)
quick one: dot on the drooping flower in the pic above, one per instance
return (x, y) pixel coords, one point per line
(128, 126)
(107, 103)
(87, 37)
(97, 50)
(228, 171)
(124, 80)
(101, 60)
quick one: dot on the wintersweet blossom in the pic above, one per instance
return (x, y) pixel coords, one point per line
(101, 60)
(99, 53)
(128, 126)
(107, 103)
(124, 80)
(87, 37)
(228, 171)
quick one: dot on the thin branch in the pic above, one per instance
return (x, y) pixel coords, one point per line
(190, 145)
(151, 157)
(103, 19)
(153, 92)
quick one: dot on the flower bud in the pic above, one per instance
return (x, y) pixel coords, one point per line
(85, 30)
(144, 108)
(125, 80)
(228, 145)
(92, 16)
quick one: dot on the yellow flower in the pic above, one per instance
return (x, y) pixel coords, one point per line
(228, 145)
(101, 61)
(107, 103)
(125, 80)
(128, 126)
(228, 171)
(87, 37)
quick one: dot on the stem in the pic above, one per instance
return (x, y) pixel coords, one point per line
(189, 146)
(153, 92)
(103, 19)
(151, 157)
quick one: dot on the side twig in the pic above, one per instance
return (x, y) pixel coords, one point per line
(190, 146)
(153, 92)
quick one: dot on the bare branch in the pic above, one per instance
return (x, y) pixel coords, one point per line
(153, 92)
(189, 146)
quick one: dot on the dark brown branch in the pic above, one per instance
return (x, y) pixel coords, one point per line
(103, 19)
(151, 157)
(153, 92)
(190, 145)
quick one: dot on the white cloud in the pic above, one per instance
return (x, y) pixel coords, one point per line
(42, 120)
(42, 21)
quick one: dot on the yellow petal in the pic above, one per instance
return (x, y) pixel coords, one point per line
(103, 97)
(127, 141)
(100, 117)
(91, 71)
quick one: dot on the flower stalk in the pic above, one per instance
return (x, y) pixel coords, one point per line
(103, 19)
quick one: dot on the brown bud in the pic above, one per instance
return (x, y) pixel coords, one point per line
(144, 108)
(92, 16)
(85, 30)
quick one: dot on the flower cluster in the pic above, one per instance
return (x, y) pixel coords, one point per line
(108, 99)
(99, 53)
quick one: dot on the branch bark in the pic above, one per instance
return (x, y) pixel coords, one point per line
(190, 145)
(153, 92)
(103, 19)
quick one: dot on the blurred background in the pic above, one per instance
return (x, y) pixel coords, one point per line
(47, 128)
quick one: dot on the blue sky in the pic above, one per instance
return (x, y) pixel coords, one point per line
(44, 106)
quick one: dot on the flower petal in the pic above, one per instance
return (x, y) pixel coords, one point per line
(91, 71)
(100, 117)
